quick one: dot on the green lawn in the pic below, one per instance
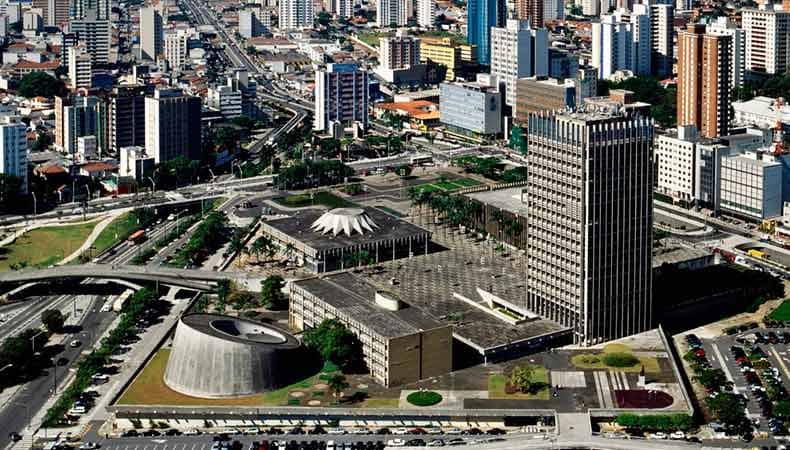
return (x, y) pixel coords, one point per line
(591, 361)
(371, 38)
(497, 383)
(319, 198)
(455, 38)
(782, 312)
(466, 182)
(428, 188)
(121, 227)
(45, 246)
(447, 186)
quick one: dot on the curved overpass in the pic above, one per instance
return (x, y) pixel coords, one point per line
(187, 278)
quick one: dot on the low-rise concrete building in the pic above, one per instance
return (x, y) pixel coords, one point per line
(471, 109)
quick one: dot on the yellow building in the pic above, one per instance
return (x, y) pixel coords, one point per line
(451, 55)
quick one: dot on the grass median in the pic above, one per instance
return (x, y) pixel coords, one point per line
(45, 246)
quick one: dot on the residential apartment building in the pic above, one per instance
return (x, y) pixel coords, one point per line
(55, 12)
(400, 344)
(676, 161)
(80, 72)
(296, 14)
(97, 9)
(518, 51)
(531, 11)
(553, 10)
(77, 116)
(426, 13)
(249, 25)
(448, 54)
(662, 35)
(589, 258)
(722, 26)
(175, 49)
(342, 8)
(704, 81)
(482, 16)
(151, 33)
(94, 35)
(471, 109)
(767, 39)
(172, 125)
(13, 149)
(392, 13)
(621, 41)
(341, 95)
(399, 52)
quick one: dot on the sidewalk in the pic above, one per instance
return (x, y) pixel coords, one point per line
(91, 238)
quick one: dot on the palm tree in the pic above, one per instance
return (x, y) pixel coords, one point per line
(336, 384)
(289, 250)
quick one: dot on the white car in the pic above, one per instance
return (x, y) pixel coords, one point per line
(336, 431)
(436, 443)
(433, 430)
(230, 431)
(89, 446)
(678, 435)
(251, 431)
(359, 431)
(454, 431)
(400, 431)
(192, 432)
(659, 435)
(396, 443)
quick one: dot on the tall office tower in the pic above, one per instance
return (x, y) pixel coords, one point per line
(530, 10)
(767, 39)
(590, 222)
(296, 14)
(76, 117)
(13, 149)
(126, 117)
(175, 49)
(399, 52)
(341, 95)
(342, 8)
(518, 51)
(14, 11)
(151, 33)
(426, 13)
(55, 12)
(723, 27)
(704, 81)
(553, 10)
(240, 80)
(96, 9)
(67, 40)
(591, 7)
(392, 13)
(94, 34)
(661, 39)
(482, 15)
(172, 125)
(621, 41)
(80, 68)
(31, 20)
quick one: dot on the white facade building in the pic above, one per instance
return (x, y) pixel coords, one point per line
(767, 39)
(762, 112)
(662, 39)
(518, 51)
(80, 68)
(175, 49)
(342, 8)
(426, 13)
(391, 13)
(296, 14)
(751, 185)
(675, 156)
(151, 33)
(226, 100)
(723, 27)
(95, 36)
(13, 149)
(87, 148)
(135, 163)
(471, 109)
(621, 41)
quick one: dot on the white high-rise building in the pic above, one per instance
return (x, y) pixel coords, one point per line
(175, 49)
(399, 52)
(723, 27)
(80, 68)
(767, 39)
(296, 14)
(518, 51)
(226, 100)
(151, 33)
(591, 7)
(426, 13)
(13, 149)
(249, 25)
(589, 238)
(392, 13)
(621, 41)
(172, 125)
(553, 10)
(342, 8)
(662, 39)
(341, 95)
(676, 161)
(95, 35)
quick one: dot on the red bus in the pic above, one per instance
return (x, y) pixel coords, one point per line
(137, 237)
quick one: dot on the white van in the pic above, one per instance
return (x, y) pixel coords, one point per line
(330, 445)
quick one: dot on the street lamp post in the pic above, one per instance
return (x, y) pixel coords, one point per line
(35, 203)
(153, 185)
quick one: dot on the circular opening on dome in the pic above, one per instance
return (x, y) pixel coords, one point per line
(248, 330)
(347, 211)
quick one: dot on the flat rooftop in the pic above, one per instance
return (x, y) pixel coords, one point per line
(352, 295)
(677, 254)
(504, 199)
(389, 228)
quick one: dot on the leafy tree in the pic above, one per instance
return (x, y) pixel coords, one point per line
(782, 409)
(403, 171)
(712, 378)
(223, 290)
(514, 175)
(517, 140)
(53, 319)
(40, 84)
(337, 383)
(43, 141)
(244, 121)
(335, 343)
(726, 407)
(648, 89)
(271, 293)
(241, 299)
(521, 378)
(227, 138)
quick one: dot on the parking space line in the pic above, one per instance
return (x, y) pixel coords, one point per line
(781, 362)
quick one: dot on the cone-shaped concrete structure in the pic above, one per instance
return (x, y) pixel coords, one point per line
(217, 356)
